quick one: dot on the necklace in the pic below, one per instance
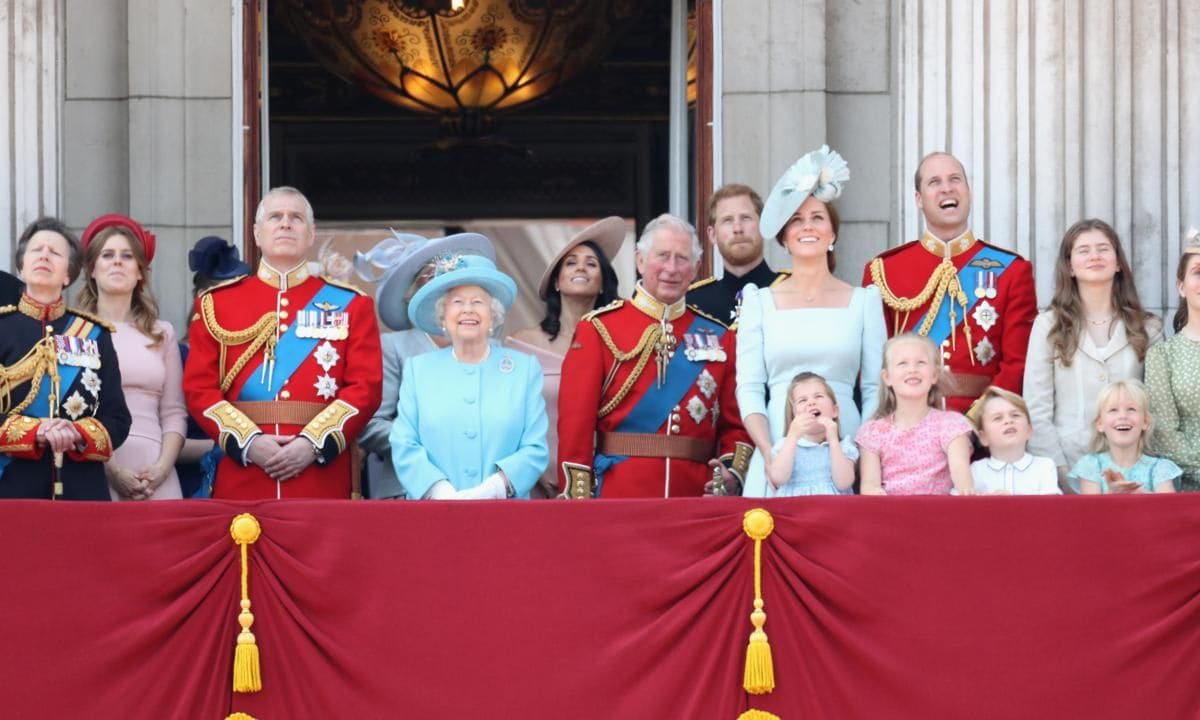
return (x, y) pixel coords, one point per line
(1101, 321)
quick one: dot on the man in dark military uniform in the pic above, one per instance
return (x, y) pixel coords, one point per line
(975, 300)
(285, 368)
(652, 387)
(733, 213)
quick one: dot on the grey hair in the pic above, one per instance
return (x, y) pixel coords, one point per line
(284, 190)
(439, 312)
(667, 220)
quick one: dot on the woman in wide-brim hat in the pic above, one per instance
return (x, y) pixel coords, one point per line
(117, 253)
(579, 279)
(812, 321)
(407, 263)
(471, 421)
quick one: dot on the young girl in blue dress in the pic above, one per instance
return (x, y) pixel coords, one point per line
(1117, 461)
(811, 459)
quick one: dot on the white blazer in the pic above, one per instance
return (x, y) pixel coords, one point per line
(1062, 400)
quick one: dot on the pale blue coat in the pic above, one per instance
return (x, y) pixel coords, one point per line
(461, 422)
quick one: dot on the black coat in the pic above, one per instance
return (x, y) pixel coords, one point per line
(98, 411)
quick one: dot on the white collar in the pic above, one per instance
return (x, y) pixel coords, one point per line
(1020, 465)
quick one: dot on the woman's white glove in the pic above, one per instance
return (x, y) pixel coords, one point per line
(493, 487)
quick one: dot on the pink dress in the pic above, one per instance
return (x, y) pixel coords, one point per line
(547, 485)
(152, 379)
(913, 461)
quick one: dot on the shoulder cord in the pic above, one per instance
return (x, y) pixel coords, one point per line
(262, 332)
(642, 351)
(942, 282)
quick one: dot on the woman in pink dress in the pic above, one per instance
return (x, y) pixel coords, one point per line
(116, 264)
(578, 280)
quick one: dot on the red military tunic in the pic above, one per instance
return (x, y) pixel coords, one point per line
(333, 392)
(989, 347)
(607, 424)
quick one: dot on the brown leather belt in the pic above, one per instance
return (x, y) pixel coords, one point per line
(280, 412)
(966, 385)
(652, 445)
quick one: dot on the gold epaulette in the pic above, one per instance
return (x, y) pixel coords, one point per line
(701, 283)
(93, 318)
(342, 284)
(223, 284)
(6, 309)
(615, 304)
(706, 316)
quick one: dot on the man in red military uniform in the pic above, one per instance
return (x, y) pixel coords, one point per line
(285, 368)
(977, 301)
(651, 382)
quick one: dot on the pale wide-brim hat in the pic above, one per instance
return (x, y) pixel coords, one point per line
(821, 173)
(401, 258)
(608, 234)
(451, 271)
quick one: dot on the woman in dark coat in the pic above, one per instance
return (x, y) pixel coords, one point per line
(60, 384)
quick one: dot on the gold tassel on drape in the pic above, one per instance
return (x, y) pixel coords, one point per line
(246, 675)
(758, 715)
(759, 677)
(239, 716)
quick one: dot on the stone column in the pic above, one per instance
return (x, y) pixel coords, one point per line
(30, 115)
(148, 126)
(1059, 110)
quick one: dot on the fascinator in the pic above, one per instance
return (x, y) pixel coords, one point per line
(821, 173)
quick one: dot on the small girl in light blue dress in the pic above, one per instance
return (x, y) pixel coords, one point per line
(811, 459)
(1117, 461)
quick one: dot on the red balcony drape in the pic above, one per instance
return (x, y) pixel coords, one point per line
(876, 608)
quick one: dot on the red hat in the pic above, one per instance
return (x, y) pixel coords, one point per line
(104, 222)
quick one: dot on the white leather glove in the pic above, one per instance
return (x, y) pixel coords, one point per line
(441, 490)
(493, 487)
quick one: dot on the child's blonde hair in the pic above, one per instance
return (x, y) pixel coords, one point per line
(1137, 393)
(975, 415)
(789, 414)
(887, 396)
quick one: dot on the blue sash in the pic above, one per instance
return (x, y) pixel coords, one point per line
(997, 261)
(67, 374)
(653, 407)
(291, 350)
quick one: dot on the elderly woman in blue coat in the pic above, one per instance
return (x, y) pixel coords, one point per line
(470, 421)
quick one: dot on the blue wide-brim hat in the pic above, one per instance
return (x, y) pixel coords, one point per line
(216, 258)
(402, 256)
(821, 173)
(453, 271)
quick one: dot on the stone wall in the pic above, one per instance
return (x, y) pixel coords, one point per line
(147, 126)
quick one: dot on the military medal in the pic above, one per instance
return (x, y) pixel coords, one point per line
(985, 315)
(323, 324)
(991, 285)
(980, 291)
(984, 351)
(715, 352)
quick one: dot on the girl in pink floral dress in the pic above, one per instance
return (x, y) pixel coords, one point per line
(910, 447)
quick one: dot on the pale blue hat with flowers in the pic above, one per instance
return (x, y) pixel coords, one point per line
(457, 270)
(821, 173)
(400, 258)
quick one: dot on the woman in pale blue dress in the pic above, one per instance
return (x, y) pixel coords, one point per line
(407, 262)
(810, 321)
